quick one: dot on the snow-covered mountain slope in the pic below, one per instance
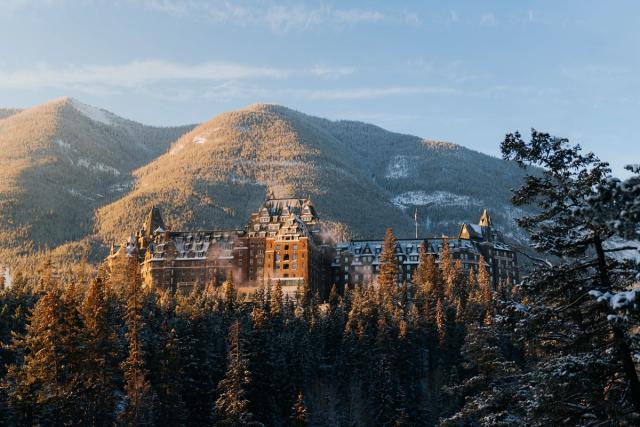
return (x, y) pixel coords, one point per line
(61, 160)
(361, 178)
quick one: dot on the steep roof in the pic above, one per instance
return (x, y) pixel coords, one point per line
(485, 219)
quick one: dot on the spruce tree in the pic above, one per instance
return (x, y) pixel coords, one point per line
(388, 273)
(232, 406)
(140, 399)
(576, 220)
(100, 367)
(299, 417)
(47, 384)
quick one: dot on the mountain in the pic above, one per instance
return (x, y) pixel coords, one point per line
(361, 178)
(60, 161)
(6, 112)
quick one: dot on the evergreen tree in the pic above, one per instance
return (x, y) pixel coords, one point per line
(299, 417)
(100, 367)
(388, 273)
(171, 407)
(140, 401)
(47, 385)
(232, 405)
(576, 220)
(444, 260)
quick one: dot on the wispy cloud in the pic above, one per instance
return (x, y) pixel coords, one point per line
(277, 16)
(488, 19)
(331, 72)
(149, 72)
(131, 74)
(379, 92)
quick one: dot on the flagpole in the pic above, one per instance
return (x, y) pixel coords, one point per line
(415, 218)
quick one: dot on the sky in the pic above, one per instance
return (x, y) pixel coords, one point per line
(460, 71)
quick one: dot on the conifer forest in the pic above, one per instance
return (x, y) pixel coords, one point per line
(560, 347)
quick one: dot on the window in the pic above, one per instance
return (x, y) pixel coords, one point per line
(285, 266)
(293, 256)
(286, 247)
(277, 247)
(293, 266)
(295, 247)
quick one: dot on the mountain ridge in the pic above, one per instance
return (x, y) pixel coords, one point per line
(62, 159)
(81, 178)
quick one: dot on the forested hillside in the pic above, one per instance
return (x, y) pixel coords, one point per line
(359, 176)
(60, 161)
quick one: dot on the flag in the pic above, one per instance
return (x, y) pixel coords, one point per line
(415, 215)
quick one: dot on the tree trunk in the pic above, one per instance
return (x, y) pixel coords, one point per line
(619, 340)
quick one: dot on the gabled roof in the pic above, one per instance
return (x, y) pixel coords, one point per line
(485, 219)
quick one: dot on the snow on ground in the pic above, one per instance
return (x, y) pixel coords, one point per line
(632, 254)
(200, 139)
(175, 149)
(120, 187)
(95, 114)
(79, 195)
(8, 279)
(64, 145)
(398, 168)
(422, 198)
(98, 166)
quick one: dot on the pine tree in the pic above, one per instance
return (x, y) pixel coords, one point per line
(140, 403)
(232, 405)
(387, 276)
(299, 417)
(275, 305)
(47, 384)
(230, 293)
(171, 407)
(577, 217)
(100, 367)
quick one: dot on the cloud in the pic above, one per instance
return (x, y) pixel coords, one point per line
(277, 16)
(331, 72)
(372, 93)
(148, 72)
(531, 16)
(130, 75)
(488, 19)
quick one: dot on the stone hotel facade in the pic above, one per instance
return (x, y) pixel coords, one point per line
(283, 241)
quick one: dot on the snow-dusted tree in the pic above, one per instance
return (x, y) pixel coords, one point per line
(576, 219)
(47, 384)
(100, 361)
(232, 405)
(299, 416)
(140, 398)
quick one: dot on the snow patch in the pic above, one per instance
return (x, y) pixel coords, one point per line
(422, 198)
(98, 166)
(120, 187)
(398, 168)
(64, 145)
(199, 139)
(175, 149)
(78, 194)
(8, 279)
(93, 113)
(622, 255)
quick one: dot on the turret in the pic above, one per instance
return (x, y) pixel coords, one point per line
(153, 222)
(485, 219)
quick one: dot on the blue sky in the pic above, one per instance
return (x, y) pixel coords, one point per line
(459, 71)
